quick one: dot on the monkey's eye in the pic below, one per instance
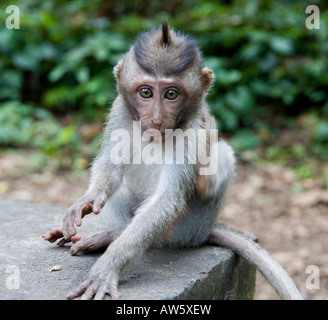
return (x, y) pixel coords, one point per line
(145, 93)
(171, 94)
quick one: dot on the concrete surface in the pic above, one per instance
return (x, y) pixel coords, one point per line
(26, 260)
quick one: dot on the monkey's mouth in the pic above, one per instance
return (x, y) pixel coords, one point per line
(152, 134)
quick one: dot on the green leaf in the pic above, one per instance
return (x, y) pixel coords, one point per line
(66, 134)
(244, 140)
(321, 132)
(25, 61)
(225, 77)
(304, 171)
(282, 45)
(58, 72)
(241, 99)
(82, 74)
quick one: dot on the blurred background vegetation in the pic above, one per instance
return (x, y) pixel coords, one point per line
(270, 95)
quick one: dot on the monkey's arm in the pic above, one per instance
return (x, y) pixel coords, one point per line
(149, 221)
(105, 179)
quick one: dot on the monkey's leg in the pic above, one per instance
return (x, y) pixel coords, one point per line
(194, 226)
(95, 242)
(258, 256)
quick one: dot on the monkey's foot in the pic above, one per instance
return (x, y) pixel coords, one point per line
(101, 280)
(55, 234)
(95, 242)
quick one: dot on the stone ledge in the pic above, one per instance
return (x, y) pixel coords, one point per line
(207, 272)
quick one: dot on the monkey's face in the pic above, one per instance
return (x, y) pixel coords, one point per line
(158, 102)
(163, 80)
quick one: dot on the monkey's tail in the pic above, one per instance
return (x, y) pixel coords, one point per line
(255, 254)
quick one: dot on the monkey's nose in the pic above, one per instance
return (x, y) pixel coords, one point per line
(157, 124)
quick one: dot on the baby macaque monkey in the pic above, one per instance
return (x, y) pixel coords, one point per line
(167, 200)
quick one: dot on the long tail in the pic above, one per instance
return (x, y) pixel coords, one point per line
(255, 254)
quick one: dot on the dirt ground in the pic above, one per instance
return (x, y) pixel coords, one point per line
(292, 227)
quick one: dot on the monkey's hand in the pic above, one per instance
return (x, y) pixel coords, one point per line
(102, 279)
(55, 234)
(73, 216)
(90, 202)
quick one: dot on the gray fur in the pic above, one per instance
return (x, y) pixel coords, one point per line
(161, 51)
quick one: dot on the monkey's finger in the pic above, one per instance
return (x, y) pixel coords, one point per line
(91, 290)
(85, 277)
(79, 290)
(101, 292)
(78, 220)
(53, 235)
(113, 292)
(88, 208)
(76, 238)
(78, 246)
(98, 204)
(71, 227)
(62, 242)
(108, 287)
(68, 223)
(65, 226)
(84, 211)
(75, 248)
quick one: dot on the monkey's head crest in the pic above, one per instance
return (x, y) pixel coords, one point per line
(166, 39)
(162, 51)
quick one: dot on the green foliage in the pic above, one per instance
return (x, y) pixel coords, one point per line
(304, 171)
(317, 128)
(245, 140)
(269, 67)
(24, 125)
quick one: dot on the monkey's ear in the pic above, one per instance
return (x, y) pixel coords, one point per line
(207, 78)
(117, 69)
